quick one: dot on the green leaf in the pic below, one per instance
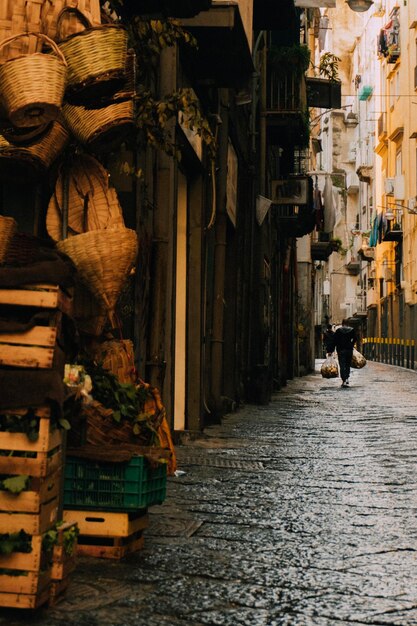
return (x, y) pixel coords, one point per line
(64, 423)
(16, 484)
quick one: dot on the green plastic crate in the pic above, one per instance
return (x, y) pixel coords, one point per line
(113, 486)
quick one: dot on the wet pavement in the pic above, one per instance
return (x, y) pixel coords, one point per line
(299, 513)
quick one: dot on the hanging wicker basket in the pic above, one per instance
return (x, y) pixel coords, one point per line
(96, 59)
(22, 163)
(92, 205)
(18, 16)
(32, 86)
(8, 228)
(70, 24)
(100, 128)
(104, 259)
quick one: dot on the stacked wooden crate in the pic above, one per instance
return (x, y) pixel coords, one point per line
(37, 347)
(24, 577)
(110, 500)
(26, 574)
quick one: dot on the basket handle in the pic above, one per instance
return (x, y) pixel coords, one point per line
(40, 36)
(83, 19)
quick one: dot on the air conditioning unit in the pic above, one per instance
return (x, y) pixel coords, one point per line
(389, 186)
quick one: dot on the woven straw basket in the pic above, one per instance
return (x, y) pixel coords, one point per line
(91, 317)
(100, 128)
(32, 86)
(92, 205)
(103, 259)
(8, 227)
(69, 24)
(117, 356)
(29, 162)
(18, 16)
(20, 136)
(96, 59)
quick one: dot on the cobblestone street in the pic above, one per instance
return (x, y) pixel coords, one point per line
(300, 513)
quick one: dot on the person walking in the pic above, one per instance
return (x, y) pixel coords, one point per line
(344, 341)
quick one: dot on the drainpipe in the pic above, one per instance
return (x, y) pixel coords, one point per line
(217, 339)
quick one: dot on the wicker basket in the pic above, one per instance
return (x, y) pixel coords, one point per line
(117, 356)
(100, 128)
(8, 228)
(32, 86)
(92, 205)
(103, 259)
(18, 16)
(22, 163)
(70, 24)
(96, 59)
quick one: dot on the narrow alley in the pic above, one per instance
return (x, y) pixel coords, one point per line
(299, 513)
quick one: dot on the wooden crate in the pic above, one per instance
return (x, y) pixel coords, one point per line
(42, 296)
(110, 547)
(47, 450)
(31, 523)
(105, 524)
(34, 348)
(41, 491)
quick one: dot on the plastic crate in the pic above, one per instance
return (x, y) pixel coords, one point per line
(113, 486)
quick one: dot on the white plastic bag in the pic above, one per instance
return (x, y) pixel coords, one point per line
(330, 367)
(358, 360)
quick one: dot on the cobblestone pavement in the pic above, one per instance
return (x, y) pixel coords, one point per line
(300, 513)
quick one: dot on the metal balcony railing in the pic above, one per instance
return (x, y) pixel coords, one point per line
(286, 93)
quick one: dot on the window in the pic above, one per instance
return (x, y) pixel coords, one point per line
(398, 163)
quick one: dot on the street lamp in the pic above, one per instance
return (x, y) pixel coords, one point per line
(359, 6)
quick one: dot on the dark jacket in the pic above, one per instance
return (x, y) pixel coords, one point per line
(344, 338)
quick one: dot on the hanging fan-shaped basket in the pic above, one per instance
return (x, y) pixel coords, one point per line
(104, 259)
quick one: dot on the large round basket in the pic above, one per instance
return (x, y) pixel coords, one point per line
(92, 205)
(117, 356)
(100, 128)
(20, 136)
(8, 227)
(96, 59)
(27, 163)
(32, 86)
(104, 259)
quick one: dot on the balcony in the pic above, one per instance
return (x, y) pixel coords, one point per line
(321, 250)
(389, 38)
(292, 205)
(286, 108)
(323, 93)
(371, 298)
(352, 183)
(394, 233)
(353, 263)
(365, 173)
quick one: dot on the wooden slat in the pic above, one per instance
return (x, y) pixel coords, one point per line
(26, 356)
(104, 524)
(32, 501)
(24, 600)
(31, 523)
(41, 466)
(29, 562)
(42, 296)
(47, 440)
(33, 583)
(36, 336)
